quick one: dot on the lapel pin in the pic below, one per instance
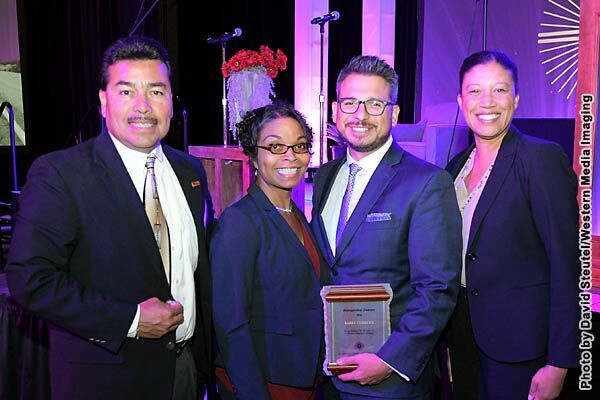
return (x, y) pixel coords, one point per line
(195, 183)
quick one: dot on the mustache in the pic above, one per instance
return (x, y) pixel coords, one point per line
(142, 119)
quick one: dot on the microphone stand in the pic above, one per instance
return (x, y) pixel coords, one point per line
(224, 99)
(485, 15)
(322, 136)
(223, 40)
(13, 141)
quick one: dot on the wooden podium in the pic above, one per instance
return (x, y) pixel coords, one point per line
(229, 175)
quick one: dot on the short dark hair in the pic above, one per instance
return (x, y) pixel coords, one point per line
(133, 48)
(370, 65)
(253, 121)
(485, 57)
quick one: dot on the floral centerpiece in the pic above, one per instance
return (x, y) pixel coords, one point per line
(250, 77)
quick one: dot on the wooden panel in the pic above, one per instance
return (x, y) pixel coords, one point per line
(231, 179)
(209, 167)
(230, 174)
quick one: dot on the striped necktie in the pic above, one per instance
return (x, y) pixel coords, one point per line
(345, 209)
(156, 216)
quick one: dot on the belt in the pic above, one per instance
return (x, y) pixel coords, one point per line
(179, 346)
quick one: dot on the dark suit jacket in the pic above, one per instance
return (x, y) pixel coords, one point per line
(83, 256)
(268, 313)
(522, 262)
(417, 251)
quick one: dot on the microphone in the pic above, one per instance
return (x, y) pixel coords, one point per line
(225, 36)
(332, 16)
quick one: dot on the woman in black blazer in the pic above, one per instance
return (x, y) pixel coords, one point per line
(266, 270)
(514, 332)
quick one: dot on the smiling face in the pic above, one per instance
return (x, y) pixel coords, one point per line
(488, 101)
(280, 172)
(364, 133)
(137, 103)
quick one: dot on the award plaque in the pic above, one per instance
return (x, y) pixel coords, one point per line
(357, 320)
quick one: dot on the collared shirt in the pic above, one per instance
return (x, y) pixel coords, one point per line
(182, 230)
(331, 211)
(467, 202)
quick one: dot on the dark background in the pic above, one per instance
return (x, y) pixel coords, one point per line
(61, 44)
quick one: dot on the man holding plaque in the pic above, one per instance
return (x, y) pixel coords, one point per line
(382, 216)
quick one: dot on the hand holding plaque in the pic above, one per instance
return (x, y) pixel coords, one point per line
(357, 320)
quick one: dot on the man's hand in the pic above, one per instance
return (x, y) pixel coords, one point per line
(158, 318)
(547, 383)
(371, 370)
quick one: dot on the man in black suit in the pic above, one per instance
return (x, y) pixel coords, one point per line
(127, 320)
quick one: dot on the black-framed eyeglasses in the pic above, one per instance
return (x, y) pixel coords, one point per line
(278, 148)
(375, 107)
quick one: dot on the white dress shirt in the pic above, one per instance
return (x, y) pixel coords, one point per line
(467, 202)
(333, 205)
(182, 231)
(331, 211)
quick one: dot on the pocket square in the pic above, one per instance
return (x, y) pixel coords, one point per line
(375, 217)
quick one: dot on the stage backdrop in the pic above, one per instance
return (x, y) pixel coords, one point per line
(453, 29)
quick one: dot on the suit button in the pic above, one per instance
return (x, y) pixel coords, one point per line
(334, 272)
(170, 346)
(471, 256)
(475, 292)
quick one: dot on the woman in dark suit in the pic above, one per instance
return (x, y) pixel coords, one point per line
(514, 331)
(266, 270)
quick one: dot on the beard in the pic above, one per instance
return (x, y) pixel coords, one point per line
(367, 146)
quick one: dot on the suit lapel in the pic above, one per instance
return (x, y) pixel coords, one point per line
(454, 167)
(322, 190)
(321, 194)
(116, 181)
(280, 223)
(377, 185)
(188, 180)
(502, 165)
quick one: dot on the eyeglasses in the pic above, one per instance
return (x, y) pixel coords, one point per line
(373, 107)
(278, 148)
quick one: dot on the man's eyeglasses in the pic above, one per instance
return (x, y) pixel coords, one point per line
(373, 107)
(277, 148)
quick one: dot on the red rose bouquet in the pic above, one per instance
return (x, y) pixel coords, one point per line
(271, 61)
(250, 84)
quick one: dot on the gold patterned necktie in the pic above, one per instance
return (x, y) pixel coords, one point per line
(156, 216)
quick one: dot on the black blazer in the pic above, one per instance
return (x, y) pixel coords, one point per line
(522, 261)
(83, 256)
(268, 312)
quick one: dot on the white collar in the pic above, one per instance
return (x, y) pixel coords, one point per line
(130, 156)
(371, 162)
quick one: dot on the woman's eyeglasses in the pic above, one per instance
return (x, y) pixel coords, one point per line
(277, 148)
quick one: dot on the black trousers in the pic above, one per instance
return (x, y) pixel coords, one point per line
(185, 386)
(475, 376)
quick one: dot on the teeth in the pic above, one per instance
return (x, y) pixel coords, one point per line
(287, 171)
(488, 117)
(142, 125)
(360, 128)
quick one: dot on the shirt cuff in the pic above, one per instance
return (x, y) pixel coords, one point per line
(133, 328)
(406, 378)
